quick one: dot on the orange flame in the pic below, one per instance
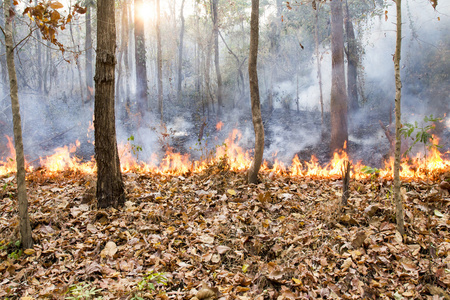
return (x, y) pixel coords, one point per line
(237, 159)
(219, 126)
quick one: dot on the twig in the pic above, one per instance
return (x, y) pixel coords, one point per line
(345, 180)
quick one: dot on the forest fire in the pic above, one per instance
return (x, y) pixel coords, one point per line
(234, 157)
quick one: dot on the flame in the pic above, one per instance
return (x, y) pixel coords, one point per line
(219, 126)
(235, 158)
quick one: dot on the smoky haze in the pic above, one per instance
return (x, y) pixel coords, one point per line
(59, 116)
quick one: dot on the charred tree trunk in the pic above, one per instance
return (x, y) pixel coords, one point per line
(141, 65)
(398, 125)
(180, 55)
(26, 239)
(352, 65)
(110, 187)
(88, 46)
(216, 56)
(254, 94)
(159, 61)
(338, 101)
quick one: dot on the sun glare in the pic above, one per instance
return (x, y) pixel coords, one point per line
(147, 11)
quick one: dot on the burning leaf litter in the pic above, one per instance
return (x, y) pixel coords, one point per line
(286, 238)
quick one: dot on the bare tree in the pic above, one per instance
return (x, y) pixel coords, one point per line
(25, 227)
(398, 125)
(214, 4)
(180, 54)
(159, 60)
(254, 94)
(140, 53)
(110, 187)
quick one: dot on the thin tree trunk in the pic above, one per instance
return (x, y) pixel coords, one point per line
(110, 187)
(3, 66)
(141, 65)
(398, 140)
(25, 227)
(338, 101)
(352, 59)
(210, 102)
(254, 94)
(216, 56)
(318, 59)
(159, 61)
(180, 55)
(77, 62)
(88, 47)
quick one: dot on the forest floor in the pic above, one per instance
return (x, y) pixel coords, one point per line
(285, 238)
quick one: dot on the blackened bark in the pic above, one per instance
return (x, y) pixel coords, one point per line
(254, 94)
(140, 53)
(110, 187)
(338, 101)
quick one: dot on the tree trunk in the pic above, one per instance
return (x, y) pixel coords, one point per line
(110, 187)
(26, 239)
(398, 125)
(77, 62)
(88, 47)
(180, 55)
(216, 56)
(3, 66)
(338, 101)
(352, 65)
(318, 60)
(141, 65)
(159, 61)
(254, 94)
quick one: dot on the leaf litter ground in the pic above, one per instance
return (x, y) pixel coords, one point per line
(285, 238)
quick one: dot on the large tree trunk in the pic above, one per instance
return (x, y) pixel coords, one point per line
(88, 47)
(254, 94)
(110, 187)
(25, 228)
(159, 61)
(398, 125)
(352, 66)
(180, 55)
(141, 65)
(216, 56)
(338, 101)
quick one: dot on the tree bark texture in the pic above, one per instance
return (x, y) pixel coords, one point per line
(140, 53)
(216, 56)
(25, 227)
(180, 55)
(110, 187)
(398, 141)
(338, 101)
(254, 94)
(352, 65)
(159, 61)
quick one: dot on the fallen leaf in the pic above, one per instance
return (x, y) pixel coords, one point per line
(109, 250)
